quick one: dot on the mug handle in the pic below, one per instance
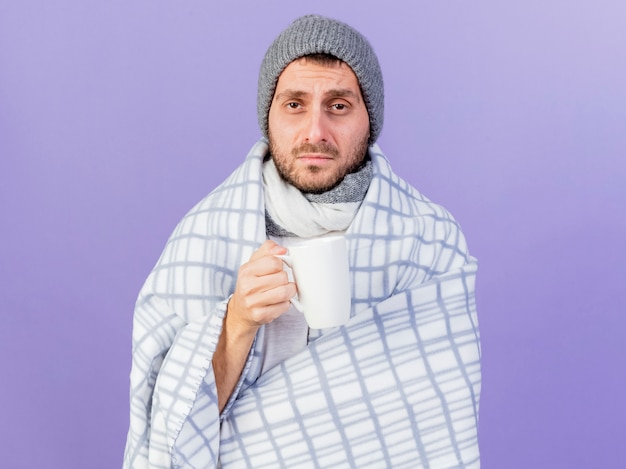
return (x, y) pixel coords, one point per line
(294, 300)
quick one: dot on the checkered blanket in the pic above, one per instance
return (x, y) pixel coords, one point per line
(398, 386)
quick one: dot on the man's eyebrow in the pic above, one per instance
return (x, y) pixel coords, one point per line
(290, 94)
(332, 93)
(343, 93)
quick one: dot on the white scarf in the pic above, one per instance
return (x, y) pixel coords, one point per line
(290, 212)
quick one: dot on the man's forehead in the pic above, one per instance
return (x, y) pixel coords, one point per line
(305, 66)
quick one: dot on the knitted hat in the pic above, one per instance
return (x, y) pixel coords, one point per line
(313, 34)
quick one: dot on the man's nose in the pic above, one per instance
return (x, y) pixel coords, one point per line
(317, 126)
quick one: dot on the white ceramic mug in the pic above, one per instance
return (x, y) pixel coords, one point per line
(322, 274)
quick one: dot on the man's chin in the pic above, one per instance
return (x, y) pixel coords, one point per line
(316, 186)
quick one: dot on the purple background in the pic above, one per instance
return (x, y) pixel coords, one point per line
(116, 117)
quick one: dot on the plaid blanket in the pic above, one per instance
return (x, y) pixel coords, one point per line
(398, 386)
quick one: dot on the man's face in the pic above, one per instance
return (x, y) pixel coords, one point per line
(318, 125)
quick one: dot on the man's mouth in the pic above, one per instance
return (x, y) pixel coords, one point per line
(315, 158)
(321, 156)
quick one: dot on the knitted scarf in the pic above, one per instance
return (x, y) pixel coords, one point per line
(290, 212)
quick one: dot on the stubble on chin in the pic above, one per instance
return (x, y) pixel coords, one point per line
(306, 180)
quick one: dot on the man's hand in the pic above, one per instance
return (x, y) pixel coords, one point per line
(263, 289)
(262, 293)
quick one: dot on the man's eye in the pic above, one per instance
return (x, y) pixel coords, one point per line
(293, 105)
(338, 106)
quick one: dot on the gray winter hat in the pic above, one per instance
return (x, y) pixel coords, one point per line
(314, 34)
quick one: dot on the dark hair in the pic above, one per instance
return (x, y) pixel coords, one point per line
(326, 60)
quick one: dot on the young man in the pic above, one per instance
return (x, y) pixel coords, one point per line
(226, 372)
